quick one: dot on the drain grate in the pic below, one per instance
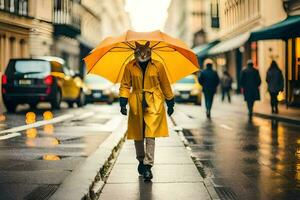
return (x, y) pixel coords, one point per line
(187, 132)
(207, 163)
(225, 193)
(42, 192)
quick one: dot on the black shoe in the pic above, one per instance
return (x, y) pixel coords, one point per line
(208, 114)
(141, 168)
(148, 173)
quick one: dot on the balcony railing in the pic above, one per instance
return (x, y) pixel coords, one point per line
(66, 17)
(17, 7)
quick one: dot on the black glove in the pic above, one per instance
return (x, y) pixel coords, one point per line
(170, 104)
(123, 102)
(170, 111)
(124, 110)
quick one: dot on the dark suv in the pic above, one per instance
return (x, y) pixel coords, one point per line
(34, 80)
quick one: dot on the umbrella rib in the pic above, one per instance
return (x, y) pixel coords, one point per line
(155, 45)
(173, 50)
(101, 57)
(128, 58)
(129, 45)
(164, 47)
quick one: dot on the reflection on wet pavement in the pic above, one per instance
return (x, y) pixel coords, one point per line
(50, 157)
(47, 154)
(30, 118)
(258, 160)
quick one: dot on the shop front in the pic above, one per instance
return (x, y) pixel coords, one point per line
(287, 30)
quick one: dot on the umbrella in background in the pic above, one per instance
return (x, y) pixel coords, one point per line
(110, 57)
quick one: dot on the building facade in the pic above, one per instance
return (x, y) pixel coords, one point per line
(64, 28)
(226, 27)
(236, 19)
(24, 29)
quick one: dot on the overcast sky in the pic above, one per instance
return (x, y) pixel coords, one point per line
(147, 15)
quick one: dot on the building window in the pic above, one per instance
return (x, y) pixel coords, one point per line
(214, 10)
(19, 7)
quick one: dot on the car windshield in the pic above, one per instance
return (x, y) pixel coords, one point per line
(32, 68)
(94, 79)
(188, 79)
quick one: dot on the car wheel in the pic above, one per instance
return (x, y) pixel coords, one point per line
(70, 104)
(33, 105)
(81, 99)
(11, 107)
(55, 103)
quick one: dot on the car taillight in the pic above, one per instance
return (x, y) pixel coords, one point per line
(4, 79)
(48, 80)
(48, 91)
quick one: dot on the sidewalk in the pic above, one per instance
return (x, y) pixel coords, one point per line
(175, 174)
(290, 114)
(263, 109)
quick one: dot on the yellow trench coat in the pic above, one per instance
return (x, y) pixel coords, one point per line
(157, 88)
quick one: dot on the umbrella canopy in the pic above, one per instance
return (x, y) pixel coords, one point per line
(110, 57)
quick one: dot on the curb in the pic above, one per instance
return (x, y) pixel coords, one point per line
(278, 117)
(208, 184)
(80, 183)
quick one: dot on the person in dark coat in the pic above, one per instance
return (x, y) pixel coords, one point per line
(275, 82)
(226, 82)
(209, 80)
(250, 82)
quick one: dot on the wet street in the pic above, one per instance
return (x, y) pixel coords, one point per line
(242, 160)
(35, 161)
(258, 160)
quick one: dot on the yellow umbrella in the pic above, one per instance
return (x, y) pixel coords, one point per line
(110, 57)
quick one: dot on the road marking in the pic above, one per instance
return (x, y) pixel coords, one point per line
(83, 116)
(37, 124)
(225, 127)
(5, 137)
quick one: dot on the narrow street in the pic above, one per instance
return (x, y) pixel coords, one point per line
(258, 160)
(35, 161)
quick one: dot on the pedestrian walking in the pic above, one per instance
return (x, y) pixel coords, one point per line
(145, 83)
(209, 80)
(275, 82)
(226, 82)
(250, 82)
(147, 75)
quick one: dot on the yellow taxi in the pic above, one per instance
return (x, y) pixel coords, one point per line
(102, 90)
(42, 79)
(188, 89)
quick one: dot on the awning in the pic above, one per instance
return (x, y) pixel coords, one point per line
(229, 44)
(288, 28)
(202, 50)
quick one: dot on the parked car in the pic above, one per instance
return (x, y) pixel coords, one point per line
(101, 89)
(44, 79)
(188, 89)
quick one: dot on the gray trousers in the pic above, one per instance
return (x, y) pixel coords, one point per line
(145, 150)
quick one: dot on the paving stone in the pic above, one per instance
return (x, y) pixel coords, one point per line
(163, 155)
(155, 191)
(127, 173)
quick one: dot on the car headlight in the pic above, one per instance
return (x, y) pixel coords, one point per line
(176, 92)
(195, 91)
(106, 91)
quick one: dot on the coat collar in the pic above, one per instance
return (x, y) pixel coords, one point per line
(137, 64)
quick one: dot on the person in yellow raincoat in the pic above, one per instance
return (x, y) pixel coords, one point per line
(145, 86)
